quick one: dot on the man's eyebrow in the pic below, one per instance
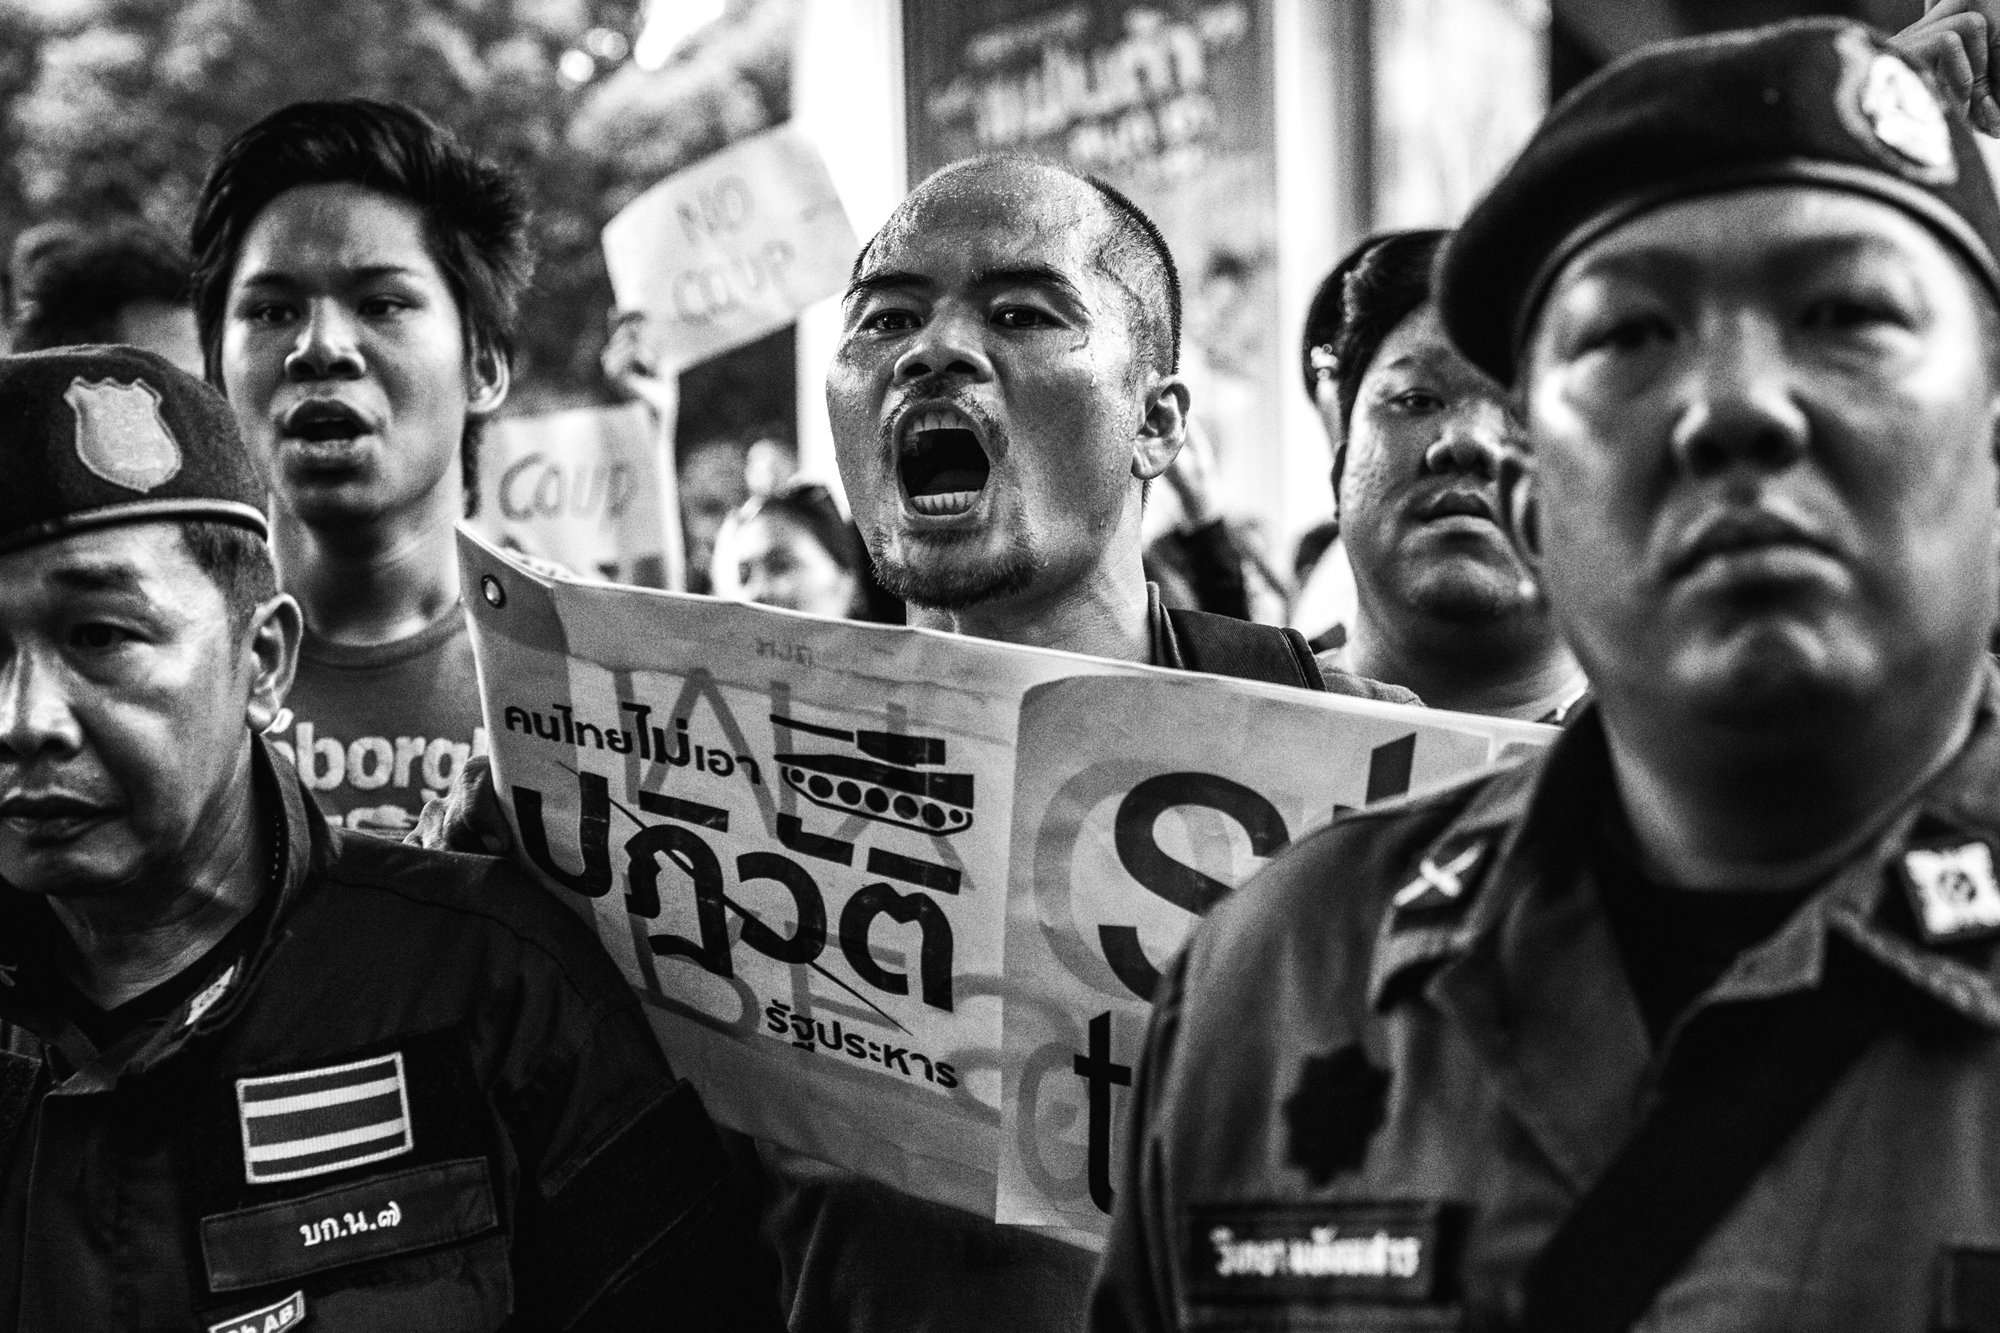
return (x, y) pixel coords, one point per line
(888, 279)
(99, 577)
(1027, 275)
(1646, 264)
(365, 273)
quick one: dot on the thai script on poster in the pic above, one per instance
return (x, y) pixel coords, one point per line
(898, 899)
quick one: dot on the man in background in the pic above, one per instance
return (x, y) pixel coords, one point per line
(357, 273)
(1419, 435)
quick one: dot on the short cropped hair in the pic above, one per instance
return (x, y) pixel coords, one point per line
(238, 561)
(69, 291)
(1380, 283)
(1136, 257)
(475, 212)
(1133, 255)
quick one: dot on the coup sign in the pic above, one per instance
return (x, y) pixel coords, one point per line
(731, 248)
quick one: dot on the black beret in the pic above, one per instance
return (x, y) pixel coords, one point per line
(1814, 101)
(99, 435)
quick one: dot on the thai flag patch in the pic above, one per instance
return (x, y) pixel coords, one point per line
(321, 1120)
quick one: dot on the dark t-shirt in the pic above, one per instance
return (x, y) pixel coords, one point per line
(1676, 943)
(377, 731)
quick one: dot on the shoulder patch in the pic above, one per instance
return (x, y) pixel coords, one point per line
(1443, 879)
(1953, 890)
(120, 434)
(1334, 1112)
(317, 1121)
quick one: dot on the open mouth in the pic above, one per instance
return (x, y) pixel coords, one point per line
(943, 467)
(322, 420)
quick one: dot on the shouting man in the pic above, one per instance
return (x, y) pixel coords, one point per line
(1004, 389)
(1692, 1021)
(357, 272)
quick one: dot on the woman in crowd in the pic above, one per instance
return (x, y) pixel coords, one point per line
(794, 549)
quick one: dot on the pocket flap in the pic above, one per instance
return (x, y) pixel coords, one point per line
(370, 1219)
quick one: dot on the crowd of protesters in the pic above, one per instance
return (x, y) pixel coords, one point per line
(1686, 441)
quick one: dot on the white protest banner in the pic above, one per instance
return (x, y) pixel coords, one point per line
(893, 897)
(730, 248)
(583, 488)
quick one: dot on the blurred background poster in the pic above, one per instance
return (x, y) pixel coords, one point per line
(1169, 100)
(1458, 87)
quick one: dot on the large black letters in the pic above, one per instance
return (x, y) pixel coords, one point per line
(1183, 886)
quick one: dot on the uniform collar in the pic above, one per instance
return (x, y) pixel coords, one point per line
(302, 843)
(1520, 829)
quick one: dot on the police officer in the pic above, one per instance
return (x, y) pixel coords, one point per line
(1694, 1020)
(255, 1072)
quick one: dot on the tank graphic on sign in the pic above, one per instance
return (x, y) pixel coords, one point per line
(120, 435)
(890, 781)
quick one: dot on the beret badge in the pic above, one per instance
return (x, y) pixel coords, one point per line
(120, 434)
(1890, 108)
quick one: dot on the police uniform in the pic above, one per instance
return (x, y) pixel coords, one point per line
(1385, 1070)
(1388, 1076)
(409, 1091)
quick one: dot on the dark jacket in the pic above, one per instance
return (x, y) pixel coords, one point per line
(420, 1097)
(1385, 1070)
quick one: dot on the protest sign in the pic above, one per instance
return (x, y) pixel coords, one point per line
(587, 488)
(894, 898)
(731, 248)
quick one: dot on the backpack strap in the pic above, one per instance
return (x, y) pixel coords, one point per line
(1225, 646)
(1744, 1079)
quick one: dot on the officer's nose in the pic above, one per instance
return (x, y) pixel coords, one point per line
(1739, 408)
(1476, 436)
(327, 347)
(36, 721)
(951, 342)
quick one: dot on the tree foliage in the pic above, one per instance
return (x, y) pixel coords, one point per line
(112, 108)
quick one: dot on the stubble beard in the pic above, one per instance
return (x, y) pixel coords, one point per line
(948, 585)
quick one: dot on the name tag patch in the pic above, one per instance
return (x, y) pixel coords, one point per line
(273, 1318)
(1282, 1253)
(393, 1214)
(322, 1120)
(1953, 891)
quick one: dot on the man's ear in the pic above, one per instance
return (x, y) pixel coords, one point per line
(272, 642)
(1163, 430)
(488, 377)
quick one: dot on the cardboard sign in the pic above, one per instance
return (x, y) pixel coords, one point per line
(895, 898)
(583, 488)
(731, 248)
